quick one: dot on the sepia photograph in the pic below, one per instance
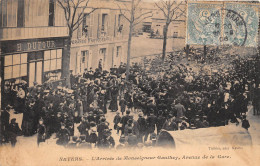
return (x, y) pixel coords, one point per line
(129, 82)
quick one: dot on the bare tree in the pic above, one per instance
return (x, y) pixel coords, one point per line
(169, 8)
(134, 15)
(74, 14)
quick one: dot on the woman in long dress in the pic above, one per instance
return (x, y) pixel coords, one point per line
(113, 104)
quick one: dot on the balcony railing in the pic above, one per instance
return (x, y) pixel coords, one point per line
(32, 33)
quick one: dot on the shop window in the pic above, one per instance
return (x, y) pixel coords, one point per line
(16, 59)
(52, 65)
(15, 66)
(52, 60)
(59, 53)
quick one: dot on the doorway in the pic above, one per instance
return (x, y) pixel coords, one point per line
(35, 68)
(102, 55)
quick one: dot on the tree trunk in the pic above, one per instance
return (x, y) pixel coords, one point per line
(165, 32)
(129, 50)
(66, 61)
(131, 26)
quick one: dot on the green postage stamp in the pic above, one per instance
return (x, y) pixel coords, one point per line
(222, 24)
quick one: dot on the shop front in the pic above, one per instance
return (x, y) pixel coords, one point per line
(25, 63)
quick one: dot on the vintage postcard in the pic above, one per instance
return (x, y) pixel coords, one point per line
(129, 82)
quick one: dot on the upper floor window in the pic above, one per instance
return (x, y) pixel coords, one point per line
(104, 25)
(175, 34)
(20, 13)
(51, 12)
(120, 24)
(12, 13)
(86, 25)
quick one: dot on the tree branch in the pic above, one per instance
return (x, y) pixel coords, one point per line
(123, 13)
(75, 7)
(75, 28)
(128, 10)
(178, 16)
(136, 23)
(177, 7)
(161, 9)
(81, 16)
(143, 15)
(65, 13)
(136, 5)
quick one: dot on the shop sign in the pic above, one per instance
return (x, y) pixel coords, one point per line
(31, 45)
(85, 41)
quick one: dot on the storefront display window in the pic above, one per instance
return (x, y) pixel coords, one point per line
(52, 65)
(52, 60)
(15, 66)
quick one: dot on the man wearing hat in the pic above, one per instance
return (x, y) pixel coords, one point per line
(160, 121)
(93, 138)
(142, 127)
(107, 141)
(180, 110)
(151, 123)
(63, 136)
(84, 126)
(124, 120)
(85, 74)
(122, 104)
(128, 126)
(101, 128)
(116, 121)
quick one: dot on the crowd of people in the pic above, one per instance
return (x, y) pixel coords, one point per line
(171, 96)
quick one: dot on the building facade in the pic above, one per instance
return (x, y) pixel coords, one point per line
(177, 28)
(32, 37)
(103, 34)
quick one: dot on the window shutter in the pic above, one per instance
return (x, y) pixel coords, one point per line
(98, 28)
(91, 25)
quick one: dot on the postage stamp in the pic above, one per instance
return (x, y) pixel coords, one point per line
(222, 24)
(241, 24)
(204, 24)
